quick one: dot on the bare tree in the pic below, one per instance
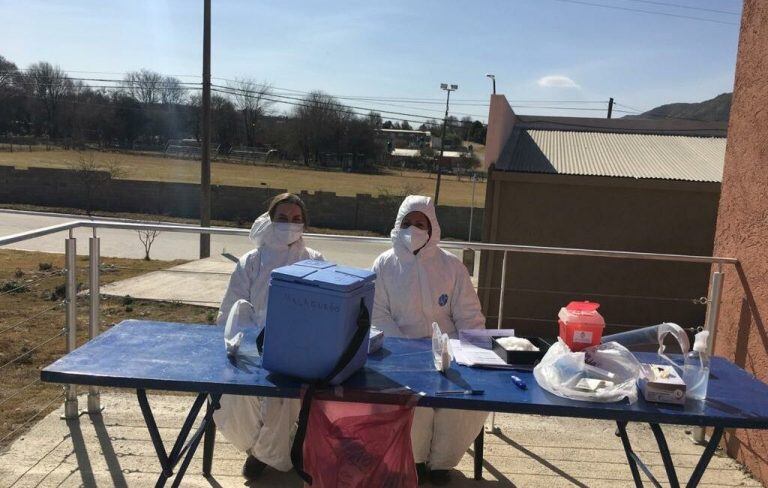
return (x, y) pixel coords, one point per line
(252, 101)
(147, 238)
(8, 72)
(92, 175)
(49, 85)
(145, 86)
(172, 92)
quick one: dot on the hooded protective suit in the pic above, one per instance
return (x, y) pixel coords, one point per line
(412, 291)
(260, 426)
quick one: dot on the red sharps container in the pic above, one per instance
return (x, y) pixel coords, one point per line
(581, 325)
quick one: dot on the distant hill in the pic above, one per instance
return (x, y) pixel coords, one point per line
(716, 110)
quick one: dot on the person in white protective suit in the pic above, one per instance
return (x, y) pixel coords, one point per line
(417, 283)
(263, 427)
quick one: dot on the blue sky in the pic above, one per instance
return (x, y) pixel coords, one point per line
(538, 49)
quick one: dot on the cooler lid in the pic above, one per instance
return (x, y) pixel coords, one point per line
(324, 275)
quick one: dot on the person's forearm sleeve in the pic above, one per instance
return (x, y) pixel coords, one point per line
(467, 312)
(382, 316)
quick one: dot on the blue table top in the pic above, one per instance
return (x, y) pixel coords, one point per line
(184, 357)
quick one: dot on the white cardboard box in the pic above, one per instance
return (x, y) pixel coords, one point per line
(662, 384)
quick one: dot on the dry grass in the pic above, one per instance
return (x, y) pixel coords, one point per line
(28, 292)
(452, 191)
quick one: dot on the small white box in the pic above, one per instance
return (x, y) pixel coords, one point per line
(662, 384)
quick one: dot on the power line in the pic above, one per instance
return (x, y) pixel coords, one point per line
(652, 12)
(687, 7)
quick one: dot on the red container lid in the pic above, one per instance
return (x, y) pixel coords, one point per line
(581, 312)
(582, 307)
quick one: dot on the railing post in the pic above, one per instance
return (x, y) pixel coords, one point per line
(501, 291)
(495, 429)
(710, 324)
(94, 399)
(70, 256)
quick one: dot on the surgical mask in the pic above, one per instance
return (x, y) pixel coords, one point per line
(287, 233)
(413, 238)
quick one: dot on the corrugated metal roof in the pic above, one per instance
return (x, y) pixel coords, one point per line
(671, 157)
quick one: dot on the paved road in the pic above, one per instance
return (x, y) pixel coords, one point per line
(167, 246)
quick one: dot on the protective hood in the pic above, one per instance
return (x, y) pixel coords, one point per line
(416, 203)
(263, 234)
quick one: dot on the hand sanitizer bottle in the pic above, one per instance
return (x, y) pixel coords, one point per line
(696, 368)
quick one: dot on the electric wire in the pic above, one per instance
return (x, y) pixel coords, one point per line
(34, 349)
(20, 323)
(653, 12)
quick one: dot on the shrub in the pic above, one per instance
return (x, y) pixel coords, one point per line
(12, 286)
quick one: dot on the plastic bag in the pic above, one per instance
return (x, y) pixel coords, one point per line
(239, 319)
(441, 350)
(602, 373)
(359, 445)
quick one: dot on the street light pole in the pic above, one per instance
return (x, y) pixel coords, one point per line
(448, 88)
(493, 79)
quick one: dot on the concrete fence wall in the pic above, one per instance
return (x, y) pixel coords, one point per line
(98, 191)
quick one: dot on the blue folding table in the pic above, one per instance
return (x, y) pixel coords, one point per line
(190, 358)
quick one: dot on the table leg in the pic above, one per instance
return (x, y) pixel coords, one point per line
(669, 466)
(706, 456)
(635, 462)
(194, 442)
(168, 462)
(478, 458)
(209, 441)
(622, 432)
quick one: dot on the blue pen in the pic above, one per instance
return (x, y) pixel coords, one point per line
(519, 383)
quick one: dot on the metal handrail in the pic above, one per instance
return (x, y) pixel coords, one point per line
(713, 300)
(474, 246)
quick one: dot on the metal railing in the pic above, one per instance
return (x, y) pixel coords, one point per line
(71, 407)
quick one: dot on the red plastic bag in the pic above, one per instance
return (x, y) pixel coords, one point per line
(350, 445)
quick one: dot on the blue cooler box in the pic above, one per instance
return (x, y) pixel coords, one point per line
(312, 312)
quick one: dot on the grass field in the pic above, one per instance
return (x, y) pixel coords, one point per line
(31, 287)
(452, 191)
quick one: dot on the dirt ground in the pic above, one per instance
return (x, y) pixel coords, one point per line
(32, 325)
(294, 179)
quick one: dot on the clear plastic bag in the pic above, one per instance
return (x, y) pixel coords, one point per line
(357, 445)
(240, 319)
(602, 373)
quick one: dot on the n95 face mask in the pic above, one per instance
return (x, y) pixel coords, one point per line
(287, 233)
(413, 238)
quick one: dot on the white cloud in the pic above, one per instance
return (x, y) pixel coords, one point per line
(557, 81)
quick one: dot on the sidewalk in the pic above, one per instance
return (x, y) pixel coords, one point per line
(531, 452)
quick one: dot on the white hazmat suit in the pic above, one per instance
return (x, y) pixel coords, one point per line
(260, 426)
(412, 291)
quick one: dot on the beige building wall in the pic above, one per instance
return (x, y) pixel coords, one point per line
(501, 121)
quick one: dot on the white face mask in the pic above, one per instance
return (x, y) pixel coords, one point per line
(287, 233)
(413, 238)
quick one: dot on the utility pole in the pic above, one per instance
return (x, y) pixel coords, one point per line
(610, 107)
(205, 166)
(448, 88)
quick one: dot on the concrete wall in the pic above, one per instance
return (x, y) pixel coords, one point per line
(742, 227)
(501, 121)
(596, 213)
(97, 191)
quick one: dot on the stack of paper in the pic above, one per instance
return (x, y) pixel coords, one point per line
(473, 348)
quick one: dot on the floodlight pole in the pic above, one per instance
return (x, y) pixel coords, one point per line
(448, 88)
(493, 79)
(205, 166)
